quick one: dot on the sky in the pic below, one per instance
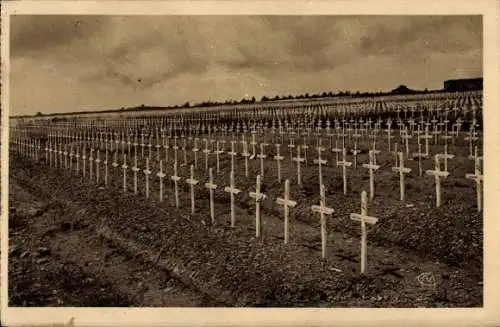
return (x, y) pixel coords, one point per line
(64, 63)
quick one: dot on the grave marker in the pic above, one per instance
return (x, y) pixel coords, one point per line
(344, 165)
(323, 210)
(478, 178)
(232, 190)
(363, 218)
(437, 173)
(192, 182)
(286, 203)
(371, 166)
(211, 187)
(402, 171)
(258, 196)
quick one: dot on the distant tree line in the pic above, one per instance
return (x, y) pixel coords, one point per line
(399, 91)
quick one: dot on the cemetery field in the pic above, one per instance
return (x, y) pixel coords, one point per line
(75, 234)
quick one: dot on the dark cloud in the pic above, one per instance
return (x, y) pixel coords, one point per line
(442, 34)
(31, 35)
(220, 57)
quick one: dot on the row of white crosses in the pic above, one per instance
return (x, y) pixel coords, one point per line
(371, 166)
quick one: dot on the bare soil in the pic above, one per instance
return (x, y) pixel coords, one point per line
(74, 242)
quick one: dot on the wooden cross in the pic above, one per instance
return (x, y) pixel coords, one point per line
(135, 169)
(195, 152)
(420, 154)
(402, 171)
(84, 160)
(71, 155)
(298, 160)
(245, 154)
(65, 156)
(147, 172)
(97, 161)
(161, 175)
(232, 190)
(278, 159)
(211, 187)
(320, 161)
(166, 146)
(286, 203)
(337, 150)
(344, 165)
(218, 152)
(426, 137)
(176, 179)
(258, 196)
(184, 151)
(372, 167)
(437, 173)
(232, 153)
(253, 143)
(192, 182)
(261, 156)
(478, 178)
(363, 218)
(445, 156)
(206, 151)
(91, 161)
(124, 167)
(406, 137)
(389, 136)
(305, 147)
(106, 167)
(290, 149)
(323, 210)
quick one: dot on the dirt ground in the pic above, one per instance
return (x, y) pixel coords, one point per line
(74, 242)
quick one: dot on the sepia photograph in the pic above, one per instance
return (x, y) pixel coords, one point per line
(246, 160)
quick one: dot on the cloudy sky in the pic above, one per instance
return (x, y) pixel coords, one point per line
(74, 63)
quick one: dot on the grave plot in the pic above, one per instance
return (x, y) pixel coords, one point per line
(336, 206)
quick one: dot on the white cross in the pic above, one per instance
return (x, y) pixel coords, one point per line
(320, 161)
(195, 152)
(97, 161)
(402, 171)
(253, 143)
(135, 169)
(478, 178)
(192, 182)
(372, 167)
(232, 190)
(258, 196)
(298, 160)
(363, 218)
(232, 153)
(344, 165)
(437, 173)
(445, 156)
(245, 154)
(124, 167)
(161, 175)
(206, 151)
(176, 179)
(261, 156)
(147, 172)
(286, 203)
(218, 152)
(211, 187)
(84, 160)
(323, 210)
(278, 158)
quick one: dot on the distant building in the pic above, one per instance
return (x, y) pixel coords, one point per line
(467, 84)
